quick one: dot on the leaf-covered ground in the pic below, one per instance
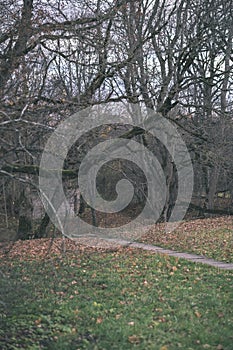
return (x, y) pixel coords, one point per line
(100, 299)
(211, 237)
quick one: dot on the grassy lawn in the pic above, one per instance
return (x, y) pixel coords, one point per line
(126, 299)
(211, 237)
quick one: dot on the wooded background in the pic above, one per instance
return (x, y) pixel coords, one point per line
(58, 57)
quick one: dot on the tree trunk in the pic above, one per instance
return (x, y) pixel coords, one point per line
(41, 232)
(25, 216)
(213, 180)
(171, 190)
(82, 205)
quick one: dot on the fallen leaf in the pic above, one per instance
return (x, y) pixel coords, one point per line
(99, 320)
(38, 321)
(198, 315)
(134, 339)
(220, 347)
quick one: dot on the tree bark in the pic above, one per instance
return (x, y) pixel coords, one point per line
(41, 232)
(25, 216)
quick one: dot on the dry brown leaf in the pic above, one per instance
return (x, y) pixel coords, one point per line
(134, 339)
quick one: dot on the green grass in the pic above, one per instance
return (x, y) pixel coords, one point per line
(211, 237)
(128, 299)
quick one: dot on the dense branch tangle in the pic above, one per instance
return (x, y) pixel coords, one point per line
(172, 57)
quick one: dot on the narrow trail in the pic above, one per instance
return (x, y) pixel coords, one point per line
(188, 256)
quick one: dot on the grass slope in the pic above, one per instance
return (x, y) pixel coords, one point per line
(211, 237)
(126, 299)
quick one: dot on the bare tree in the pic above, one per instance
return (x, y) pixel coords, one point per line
(172, 57)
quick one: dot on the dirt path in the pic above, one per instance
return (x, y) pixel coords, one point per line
(188, 256)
